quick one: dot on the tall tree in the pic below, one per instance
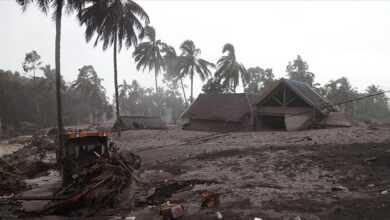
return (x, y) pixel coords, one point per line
(172, 75)
(114, 22)
(58, 6)
(191, 63)
(91, 93)
(149, 54)
(31, 62)
(229, 69)
(299, 70)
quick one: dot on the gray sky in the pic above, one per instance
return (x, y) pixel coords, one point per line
(347, 38)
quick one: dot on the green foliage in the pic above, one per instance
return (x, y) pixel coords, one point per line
(89, 94)
(172, 77)
(374, 108)
(215, 86)
(141, 101)
(257, 80)
(148, 54)
(229, 69)
(299, 70)
(33, 99)
(113, 21)
(190, 63)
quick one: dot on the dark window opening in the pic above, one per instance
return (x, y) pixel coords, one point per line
(273, 122)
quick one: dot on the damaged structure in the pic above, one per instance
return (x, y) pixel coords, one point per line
(291, 105)
(139, 122)
(221, 112)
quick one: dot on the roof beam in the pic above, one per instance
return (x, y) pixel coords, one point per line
(277, 100)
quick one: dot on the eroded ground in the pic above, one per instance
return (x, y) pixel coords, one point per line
(321, 174)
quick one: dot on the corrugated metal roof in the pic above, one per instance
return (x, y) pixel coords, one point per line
(224, 107)
(307, 92)
(310, 95)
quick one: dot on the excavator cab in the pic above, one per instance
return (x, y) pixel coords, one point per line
(82, 148)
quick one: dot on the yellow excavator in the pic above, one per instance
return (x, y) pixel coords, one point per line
(82, 148)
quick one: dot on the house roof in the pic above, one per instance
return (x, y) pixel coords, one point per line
(223, 107)
(310, 95)
(140, 122)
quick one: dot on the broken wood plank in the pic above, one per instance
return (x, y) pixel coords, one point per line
(39, 198)
(8, 173)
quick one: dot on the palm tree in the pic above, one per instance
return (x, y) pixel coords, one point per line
(58, 6)
(172, 67)
(190, 64)
(229, 69)
(149, 54)
(114, 22)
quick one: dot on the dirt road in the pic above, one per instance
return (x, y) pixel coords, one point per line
(320, 174)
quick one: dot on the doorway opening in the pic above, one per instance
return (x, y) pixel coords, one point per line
(273, 122)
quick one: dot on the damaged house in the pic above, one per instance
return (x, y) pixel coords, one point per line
(291, 105)
(221, 112)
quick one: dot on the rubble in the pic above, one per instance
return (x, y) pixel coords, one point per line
(26, 162)
(103, 184)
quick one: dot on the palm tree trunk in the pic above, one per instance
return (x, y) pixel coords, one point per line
(158, 96)
(184, 92)
(192, 86)
(60, 148)
(116, 87)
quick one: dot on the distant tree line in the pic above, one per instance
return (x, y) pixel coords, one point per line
(30, 97)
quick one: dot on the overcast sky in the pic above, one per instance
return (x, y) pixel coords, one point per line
(347, 38)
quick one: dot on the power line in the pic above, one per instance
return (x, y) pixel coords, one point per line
(348, 101)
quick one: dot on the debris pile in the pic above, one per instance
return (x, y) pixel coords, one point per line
(104, 183)
(27, 162)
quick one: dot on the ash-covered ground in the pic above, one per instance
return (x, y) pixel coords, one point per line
(338, 173)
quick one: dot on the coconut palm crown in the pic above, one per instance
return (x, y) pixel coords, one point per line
(190, 64)
(148, 54)
(228, 68)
